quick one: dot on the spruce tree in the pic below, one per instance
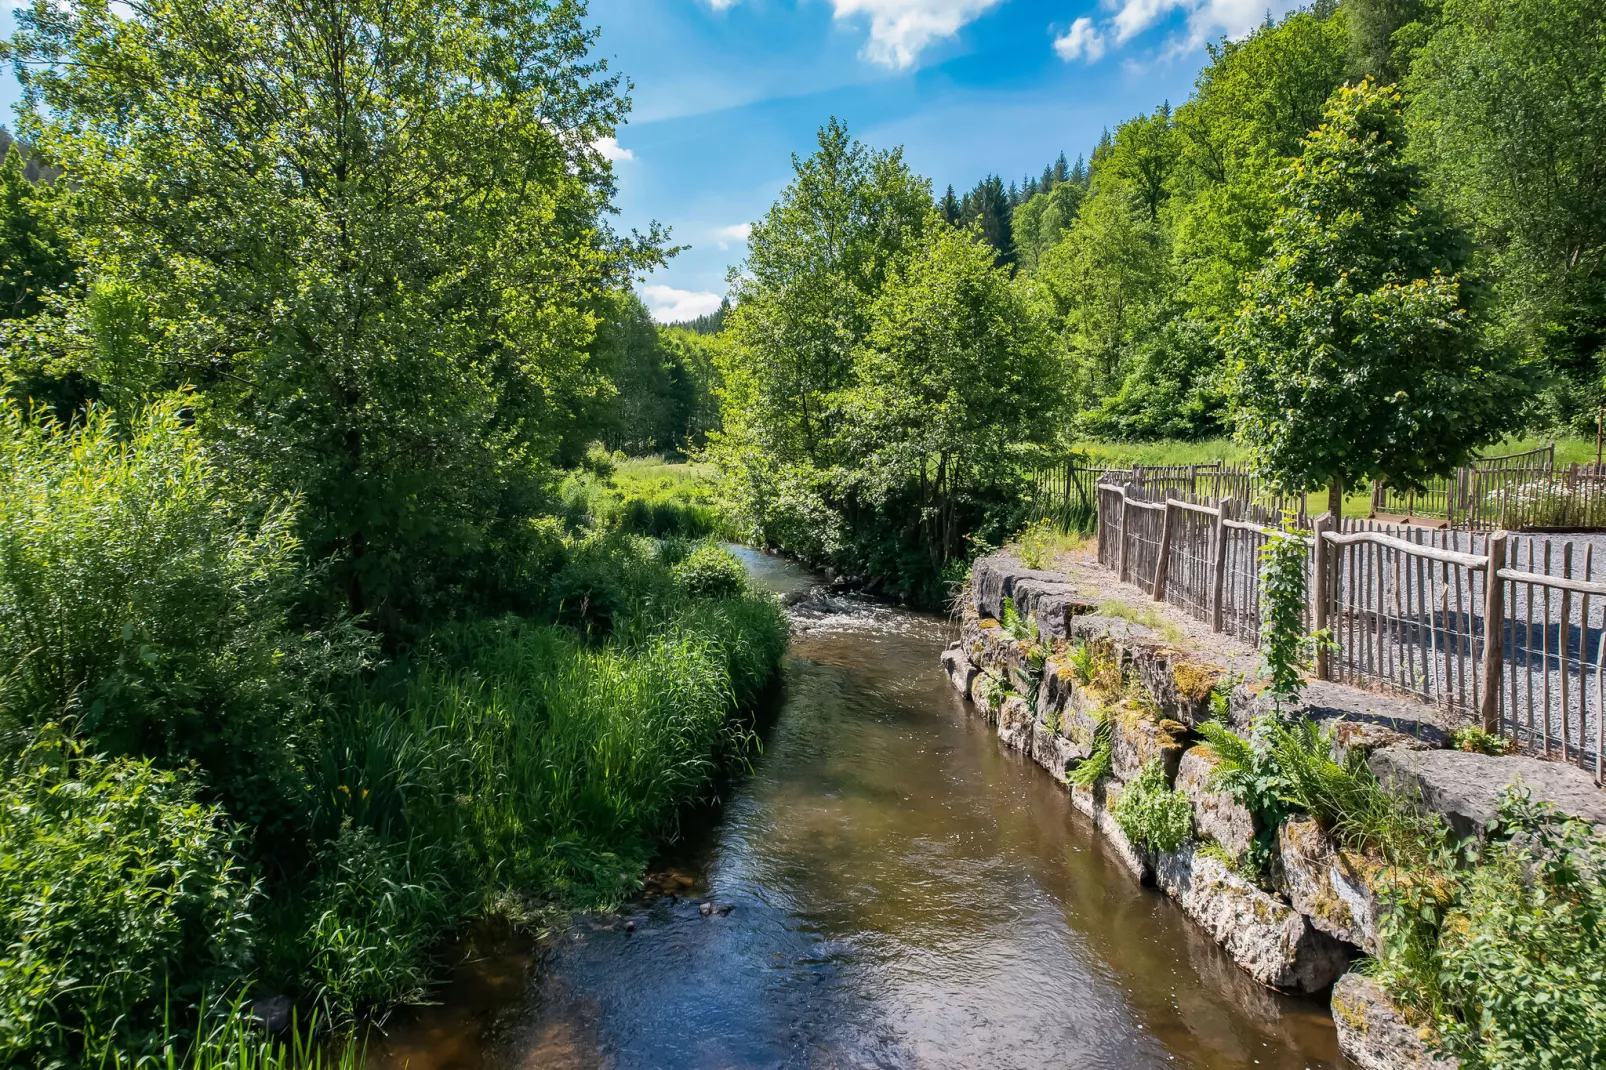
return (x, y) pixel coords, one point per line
(1062, 173)
(950, 207)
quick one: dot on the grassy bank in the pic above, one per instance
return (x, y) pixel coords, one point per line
(203, 798)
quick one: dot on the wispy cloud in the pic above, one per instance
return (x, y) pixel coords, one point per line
(610, 149)
(669, 305)
(1081, 40)
(734, 233)
(1205, 19)
(901, 29)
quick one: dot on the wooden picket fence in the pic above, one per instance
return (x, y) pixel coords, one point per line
(1406, 609)
(1516, 492)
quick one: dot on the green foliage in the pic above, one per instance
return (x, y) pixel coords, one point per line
(119, 893)
(1354, 354)
(1283, 641)
(1507, 108)
(1506, 958)
(377, 909)
(882, 378)
(394, 325)
(663, 380)
(137, 602)
(1247, 768)
(1152, 814)
(34, 261)
(711, 571)
(1475, 740)
(1098, 764)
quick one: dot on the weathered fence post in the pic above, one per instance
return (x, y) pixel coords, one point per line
(1120, 557)
(1162, 567)
(1494, 631)
(1218, 564)
(1320, 593)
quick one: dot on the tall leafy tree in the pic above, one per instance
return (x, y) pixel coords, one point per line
(1508, 108)
(366, 232)
(953, 380)
(1354, 354)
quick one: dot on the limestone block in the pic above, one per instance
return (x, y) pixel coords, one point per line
(988, 692)
(1467, 788)
(1051, 603)
(1367, 737)
(1331, 886)
(1373, 1035)
(994, 578)
(1016, 722)
(1216, 814)
(1180, 686)
(961, 673)
(1052, 751)
(1271, 940)
(1079, 726)
(1136, 738)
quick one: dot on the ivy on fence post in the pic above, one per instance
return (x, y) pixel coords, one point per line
(1283, 639)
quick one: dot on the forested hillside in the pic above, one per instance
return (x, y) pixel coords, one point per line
(1367, 244)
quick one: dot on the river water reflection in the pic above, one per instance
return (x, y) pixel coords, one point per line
(903, 892)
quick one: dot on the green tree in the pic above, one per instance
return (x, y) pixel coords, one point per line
(1145, 152)
(955, 377)
(368, 234)
(1353, 354)
(1508, 105)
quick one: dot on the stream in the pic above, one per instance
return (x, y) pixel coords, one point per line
(902, 891)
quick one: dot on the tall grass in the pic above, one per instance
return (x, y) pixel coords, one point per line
(514, 761)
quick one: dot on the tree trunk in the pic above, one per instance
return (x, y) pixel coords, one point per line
(1335, 497)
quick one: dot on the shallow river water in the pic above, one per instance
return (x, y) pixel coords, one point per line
(903, 892)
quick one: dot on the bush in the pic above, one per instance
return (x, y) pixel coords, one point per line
(135, 601)
(119, 894)
(711, 571)
(1153, 814)
(1508, 957)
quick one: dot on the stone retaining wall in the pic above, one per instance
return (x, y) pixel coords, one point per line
(1321, 910)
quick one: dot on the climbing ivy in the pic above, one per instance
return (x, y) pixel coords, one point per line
(1283, 640)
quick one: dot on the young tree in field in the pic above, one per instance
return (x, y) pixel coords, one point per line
(955, 378)
(1354, 354)
(366, 232)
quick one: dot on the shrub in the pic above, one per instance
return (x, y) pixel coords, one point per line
(1153, 814)
(608, 581)
(711, 571)
(1475, 740)
(135, 601)
(1507, 958)
(119, 894)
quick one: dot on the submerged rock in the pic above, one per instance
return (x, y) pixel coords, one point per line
(1217, 815)
(1271, 940)
(1373, 1035)
(1329, 885)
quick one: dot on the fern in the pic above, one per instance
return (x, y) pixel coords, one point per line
(1097, 764)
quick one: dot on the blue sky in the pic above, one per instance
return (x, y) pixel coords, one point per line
(726, 90)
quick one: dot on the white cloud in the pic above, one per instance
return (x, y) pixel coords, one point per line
(1206, 18)
(901, 29)
(610, 149)
(722, 5)
(736, 232)
(670, 305)
(1080, 41)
